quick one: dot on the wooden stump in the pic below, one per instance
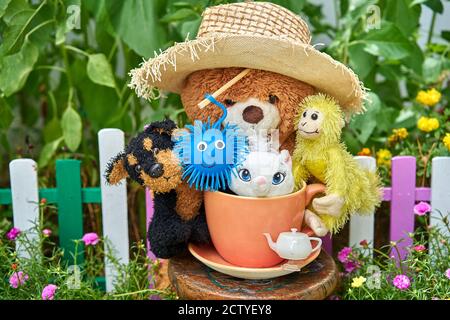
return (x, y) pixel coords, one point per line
(193, 280)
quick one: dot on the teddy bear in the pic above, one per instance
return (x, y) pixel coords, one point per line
(178, 212)
(261, 101)
(274, 44)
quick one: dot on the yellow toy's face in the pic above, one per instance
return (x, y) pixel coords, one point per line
(310, 124)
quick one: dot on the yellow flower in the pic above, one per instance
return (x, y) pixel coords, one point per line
(358, 282)
(397, 135)
(446, 140)
(427, 124)
(384, 157)
(402, 133)
(429, 97)
(364, 152)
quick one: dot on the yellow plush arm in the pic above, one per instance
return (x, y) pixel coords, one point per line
(335, 175)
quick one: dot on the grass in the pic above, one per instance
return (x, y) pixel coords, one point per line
(43, 264)
(375, 272)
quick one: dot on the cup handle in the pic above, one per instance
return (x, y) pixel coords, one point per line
(318, 245)
(312, 190)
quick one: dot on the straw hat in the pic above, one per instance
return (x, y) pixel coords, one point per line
(256, 35)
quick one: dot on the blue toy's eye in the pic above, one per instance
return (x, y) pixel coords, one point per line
(278, 178)
(220, 144)
(244, 175)
(202, 145)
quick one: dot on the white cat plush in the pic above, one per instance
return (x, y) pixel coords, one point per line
(264, 174)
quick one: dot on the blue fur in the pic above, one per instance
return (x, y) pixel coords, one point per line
(200, 168)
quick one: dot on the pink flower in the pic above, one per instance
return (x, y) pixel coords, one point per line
(90, 239)
(350, 266)
(48, 293)
(401, 282)
(13, 234)
(422, 208)
(343, 254)
(17, 279)
(46, 232)
(447, 273)
(419, 248)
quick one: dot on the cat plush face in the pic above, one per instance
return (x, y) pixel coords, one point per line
(264, 174)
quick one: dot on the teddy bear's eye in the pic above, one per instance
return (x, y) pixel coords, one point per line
(273, 99)
(138, 168)
(314, 116)
(304, 114)
(229, 102)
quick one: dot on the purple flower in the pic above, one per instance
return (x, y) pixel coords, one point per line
(422, 208)
(401, 282)
(90, 239)
(48, 293)
(17, 279)
(13, 234)
(46, 232)
(343, 254)
(447, 273)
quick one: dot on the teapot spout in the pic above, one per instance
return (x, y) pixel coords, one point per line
(272, 244)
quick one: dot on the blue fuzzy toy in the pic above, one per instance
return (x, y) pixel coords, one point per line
(210, 154)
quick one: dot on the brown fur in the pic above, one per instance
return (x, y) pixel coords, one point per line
(118, 172)
(189, 201)
(148, 144)
(258, 84)
(172, 173)
(132, 159)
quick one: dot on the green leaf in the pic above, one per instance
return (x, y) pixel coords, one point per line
(388, 42)
(366, 123)
(182, 14)
(99, 70)
(16, 23)
(405, 17)
(3, 5)
(435, 5)
(52, 130)
(431, 69)
(48, 151)
(414, 60)
(136, 22)
(445, 34)
(15, 68)
(361, 61)
(6, 115)
(72, 128)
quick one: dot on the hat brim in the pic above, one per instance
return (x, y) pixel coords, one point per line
(168, 70)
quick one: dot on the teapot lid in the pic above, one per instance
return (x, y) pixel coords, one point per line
(294, 234)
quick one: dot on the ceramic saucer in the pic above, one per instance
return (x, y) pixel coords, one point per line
(208, 255)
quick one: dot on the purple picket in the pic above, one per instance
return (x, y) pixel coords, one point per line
(149, 215)
(423, 194)
(402, 200)
(327, 244)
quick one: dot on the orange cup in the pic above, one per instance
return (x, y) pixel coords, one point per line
(237, 224)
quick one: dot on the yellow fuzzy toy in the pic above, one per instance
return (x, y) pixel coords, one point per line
(319, 154)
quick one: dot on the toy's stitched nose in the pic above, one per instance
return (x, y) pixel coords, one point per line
(261, 181)
(252, 114)
(156, 170)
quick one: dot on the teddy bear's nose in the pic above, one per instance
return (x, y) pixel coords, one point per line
(156, 170)
(252, 114)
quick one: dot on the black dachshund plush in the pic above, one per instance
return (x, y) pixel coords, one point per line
(178, 211)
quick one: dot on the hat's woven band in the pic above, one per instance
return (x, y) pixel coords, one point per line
(265, 19)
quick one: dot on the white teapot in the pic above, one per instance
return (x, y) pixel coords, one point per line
(293, 245)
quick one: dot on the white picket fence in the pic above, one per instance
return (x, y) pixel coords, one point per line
(24, 187)
(25, 200)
